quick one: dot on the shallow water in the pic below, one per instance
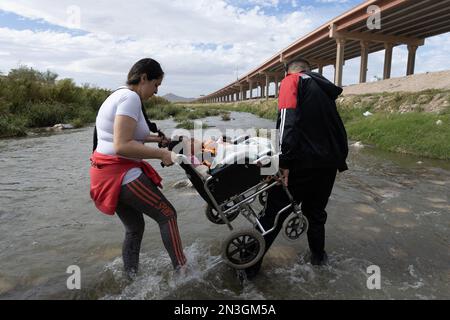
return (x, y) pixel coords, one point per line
(388, 210)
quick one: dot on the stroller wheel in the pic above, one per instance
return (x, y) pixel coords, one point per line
(295, 226)
(262, 197)
(243, 248)
(215, 217)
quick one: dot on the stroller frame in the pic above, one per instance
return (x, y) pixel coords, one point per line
(294, 226)
(244, 203)
(245, 247)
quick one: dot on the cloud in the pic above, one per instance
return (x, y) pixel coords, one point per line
(200, 43)
(198, 38)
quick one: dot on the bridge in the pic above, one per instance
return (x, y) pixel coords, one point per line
(350, 35)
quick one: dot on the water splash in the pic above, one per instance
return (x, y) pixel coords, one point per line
(158, 280)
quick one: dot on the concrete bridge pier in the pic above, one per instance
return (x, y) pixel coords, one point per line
(340, 43)
(364, 61)
(387, 60)
(412, 50)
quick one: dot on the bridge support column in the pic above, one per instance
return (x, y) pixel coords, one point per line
(267, 86)
(364, 61)
(250, 84)
(387, 60)
(320, 69)
(411, 59)
(277, 90)
(340, 43)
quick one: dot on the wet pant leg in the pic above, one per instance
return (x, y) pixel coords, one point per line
(140, 197)
(310, 187)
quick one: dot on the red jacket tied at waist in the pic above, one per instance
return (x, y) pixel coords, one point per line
(107, 173)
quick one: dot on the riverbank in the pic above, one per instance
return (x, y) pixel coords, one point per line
(31, 99)
(411, 123)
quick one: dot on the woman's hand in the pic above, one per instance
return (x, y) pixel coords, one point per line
(165, 142)
(126, 146)
(168, 158)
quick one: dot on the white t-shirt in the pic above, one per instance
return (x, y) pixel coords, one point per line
(121, 102)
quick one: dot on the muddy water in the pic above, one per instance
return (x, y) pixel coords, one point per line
(388, 210)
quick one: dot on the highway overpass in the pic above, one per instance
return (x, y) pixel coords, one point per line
(352, 34)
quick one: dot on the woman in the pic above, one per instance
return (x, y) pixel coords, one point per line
(121, 181)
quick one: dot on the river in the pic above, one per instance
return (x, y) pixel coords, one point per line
(389, 210)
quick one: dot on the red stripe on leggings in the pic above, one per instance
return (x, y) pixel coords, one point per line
(142, 197)
(173, 238)
(179, 254)
(143, 193)
(148, 190)
(161, 204)
(180, 245)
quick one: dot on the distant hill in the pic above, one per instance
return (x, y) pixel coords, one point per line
(174, 98)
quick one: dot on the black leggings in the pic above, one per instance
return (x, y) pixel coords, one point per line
(140, 197)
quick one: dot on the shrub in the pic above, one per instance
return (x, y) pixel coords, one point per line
(11, 126)
(190, 125)
(45, 115)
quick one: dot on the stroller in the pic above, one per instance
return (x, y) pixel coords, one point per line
(231, 187)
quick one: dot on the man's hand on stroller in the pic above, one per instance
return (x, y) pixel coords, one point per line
(284, 176)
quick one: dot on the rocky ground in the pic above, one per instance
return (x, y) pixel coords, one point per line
(413, 83)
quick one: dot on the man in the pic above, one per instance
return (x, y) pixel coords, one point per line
(314, 147)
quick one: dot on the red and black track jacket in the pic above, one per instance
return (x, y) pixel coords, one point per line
(312, 134)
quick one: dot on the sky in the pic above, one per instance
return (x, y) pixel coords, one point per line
(202, 45)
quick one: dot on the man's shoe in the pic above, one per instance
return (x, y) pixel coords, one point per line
(131, 274)
(242, 276)
(252, 272)
(319, 260)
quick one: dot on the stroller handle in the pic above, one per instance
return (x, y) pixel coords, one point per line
(269, 163)
(179, 158)
(266, 159)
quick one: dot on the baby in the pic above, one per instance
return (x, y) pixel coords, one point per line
(200, 154)
(206, 151)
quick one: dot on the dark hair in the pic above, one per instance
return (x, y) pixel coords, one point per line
(298, 61)
(147, 66)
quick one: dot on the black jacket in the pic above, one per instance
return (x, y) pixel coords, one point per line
(312, 134)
